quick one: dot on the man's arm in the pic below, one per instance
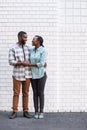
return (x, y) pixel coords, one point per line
(12, 58)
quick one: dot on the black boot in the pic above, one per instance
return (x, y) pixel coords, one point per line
(27, 115)
(13, 115)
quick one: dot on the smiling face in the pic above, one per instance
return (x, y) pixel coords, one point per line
(22, 39)
(35, 41)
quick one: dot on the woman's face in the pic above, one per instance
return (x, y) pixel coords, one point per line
(35, 41)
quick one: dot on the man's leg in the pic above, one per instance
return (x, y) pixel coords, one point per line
(25, 93)
(16, 92)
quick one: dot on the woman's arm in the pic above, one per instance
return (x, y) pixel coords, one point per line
(25, 63)
(43, 59)
(41, 63)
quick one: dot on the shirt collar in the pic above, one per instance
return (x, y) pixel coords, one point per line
(20, 45)
(38, 48)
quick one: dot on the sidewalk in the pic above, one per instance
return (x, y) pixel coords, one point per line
(52, 121)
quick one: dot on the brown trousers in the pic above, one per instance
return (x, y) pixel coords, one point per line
(16, 91)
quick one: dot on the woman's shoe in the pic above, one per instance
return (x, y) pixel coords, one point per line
(41, 116)
(36, 116)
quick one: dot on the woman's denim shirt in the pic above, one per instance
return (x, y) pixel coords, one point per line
(38, 56)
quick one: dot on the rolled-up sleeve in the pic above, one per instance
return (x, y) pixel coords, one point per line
(11, 57)
(42, 59)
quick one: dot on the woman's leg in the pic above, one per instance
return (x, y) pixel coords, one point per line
(35, 93)
(41, 86)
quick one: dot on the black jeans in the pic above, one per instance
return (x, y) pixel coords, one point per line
(38, 86)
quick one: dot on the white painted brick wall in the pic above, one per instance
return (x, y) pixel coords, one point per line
(63, 24)
(72, 38)
(34, 17)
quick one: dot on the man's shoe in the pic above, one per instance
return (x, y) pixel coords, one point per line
(13, 115)
(27, 115)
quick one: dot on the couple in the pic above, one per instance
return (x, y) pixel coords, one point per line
(29, 67)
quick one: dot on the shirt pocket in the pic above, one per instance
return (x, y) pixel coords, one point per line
(19, 57)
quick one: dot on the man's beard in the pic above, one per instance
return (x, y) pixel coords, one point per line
(23, 42)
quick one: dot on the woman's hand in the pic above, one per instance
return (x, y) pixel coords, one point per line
(45, 65)
(25, 63)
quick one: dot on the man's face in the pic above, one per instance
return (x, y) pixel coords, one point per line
(23, 39)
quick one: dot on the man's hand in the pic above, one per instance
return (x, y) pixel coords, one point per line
(18, 63)
(25, 63)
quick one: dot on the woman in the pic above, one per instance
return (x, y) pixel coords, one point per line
(38, 56)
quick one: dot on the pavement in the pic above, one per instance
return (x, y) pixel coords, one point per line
(51, 121)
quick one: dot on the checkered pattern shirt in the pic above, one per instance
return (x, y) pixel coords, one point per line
(19, 53)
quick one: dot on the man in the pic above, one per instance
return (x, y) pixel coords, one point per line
(19, 54)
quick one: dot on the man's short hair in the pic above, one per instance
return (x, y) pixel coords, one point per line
(21, 33)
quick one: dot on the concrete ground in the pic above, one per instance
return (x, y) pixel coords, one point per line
(52, 121)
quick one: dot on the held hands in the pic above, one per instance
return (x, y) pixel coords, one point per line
(25, 63)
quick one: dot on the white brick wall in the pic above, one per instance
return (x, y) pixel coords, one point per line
(63, 24)
(34, 17)
(72, 23)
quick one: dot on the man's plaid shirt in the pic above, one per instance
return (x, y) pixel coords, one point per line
(19, 53)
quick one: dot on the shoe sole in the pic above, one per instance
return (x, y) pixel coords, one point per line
(12, 118)
(27, 117)
(41, 117)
